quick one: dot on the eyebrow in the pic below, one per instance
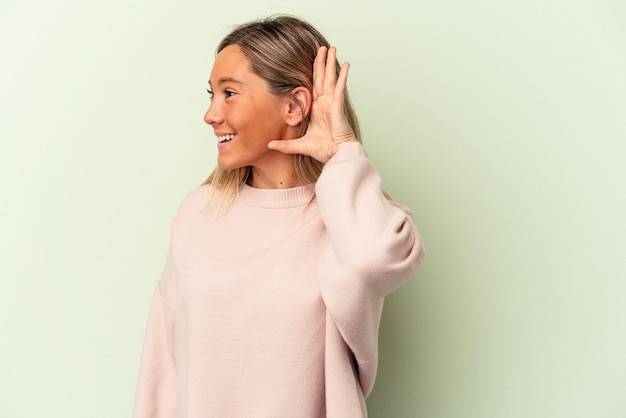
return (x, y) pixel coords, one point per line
(227, 80)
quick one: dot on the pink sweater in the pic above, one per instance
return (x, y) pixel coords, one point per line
(273, 309)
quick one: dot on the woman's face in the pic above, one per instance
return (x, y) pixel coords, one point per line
(243, 113)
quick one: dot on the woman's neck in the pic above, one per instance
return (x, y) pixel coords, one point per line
(280, 173)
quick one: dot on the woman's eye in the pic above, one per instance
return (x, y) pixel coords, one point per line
(211, 94)
(229, 93)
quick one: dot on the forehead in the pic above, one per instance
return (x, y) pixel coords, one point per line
(231, 63)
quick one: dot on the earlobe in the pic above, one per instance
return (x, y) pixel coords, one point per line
(299, 105)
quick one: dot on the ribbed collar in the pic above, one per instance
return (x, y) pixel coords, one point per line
(275, 198)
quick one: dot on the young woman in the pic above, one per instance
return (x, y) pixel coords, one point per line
(271, 297)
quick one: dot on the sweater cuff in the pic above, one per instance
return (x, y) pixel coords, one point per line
(348, 151)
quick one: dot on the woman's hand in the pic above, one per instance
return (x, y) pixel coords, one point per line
(328, 126)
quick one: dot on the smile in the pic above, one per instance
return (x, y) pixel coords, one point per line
(225, 138)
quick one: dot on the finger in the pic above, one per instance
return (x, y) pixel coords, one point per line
(331, 70)
(318, 72)
(342, 80)
(288, 146)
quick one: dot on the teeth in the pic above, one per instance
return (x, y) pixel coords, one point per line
(225, 138)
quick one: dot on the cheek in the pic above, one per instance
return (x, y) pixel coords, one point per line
(245, 120)
(260, 122)
(271, 120)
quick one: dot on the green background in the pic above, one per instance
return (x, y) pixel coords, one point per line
(502, 124)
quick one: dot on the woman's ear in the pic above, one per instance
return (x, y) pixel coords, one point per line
(299, 105)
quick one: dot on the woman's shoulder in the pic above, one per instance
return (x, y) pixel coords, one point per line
(198, 201)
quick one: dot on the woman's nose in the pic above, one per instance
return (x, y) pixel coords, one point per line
(213, 115)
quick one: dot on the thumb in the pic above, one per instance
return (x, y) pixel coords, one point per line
(288, 146)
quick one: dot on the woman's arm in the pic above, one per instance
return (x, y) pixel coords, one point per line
(156, 387)
(373, 248)
(373, 243)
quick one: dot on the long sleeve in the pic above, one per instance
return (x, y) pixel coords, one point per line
(374, 247)
(156, 387)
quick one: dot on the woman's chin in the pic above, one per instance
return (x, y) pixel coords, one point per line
(226, 165)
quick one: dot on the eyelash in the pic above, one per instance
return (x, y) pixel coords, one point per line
(227, 93)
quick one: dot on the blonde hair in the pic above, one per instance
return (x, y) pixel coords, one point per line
(281, 50)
